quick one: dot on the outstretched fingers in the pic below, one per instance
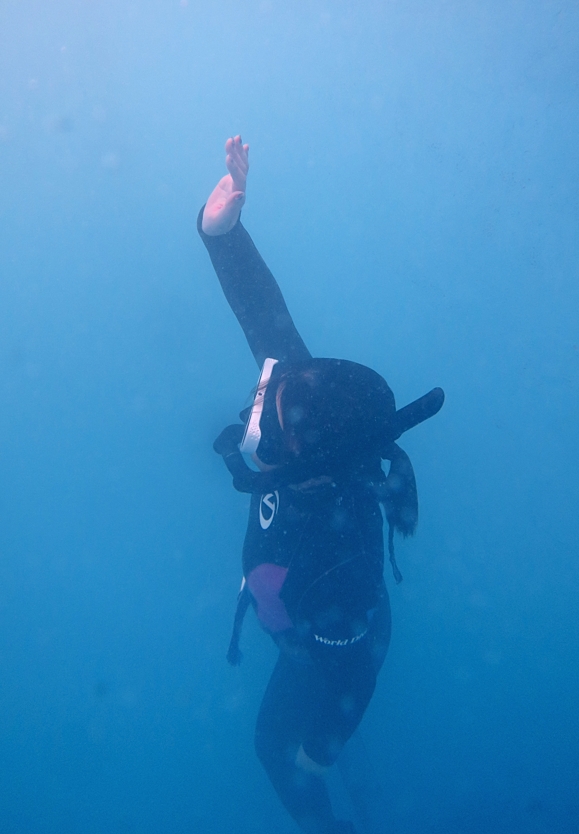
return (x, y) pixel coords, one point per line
(235, 148)
(222, 209)
(237, 162)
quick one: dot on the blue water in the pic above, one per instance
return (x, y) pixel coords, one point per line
(414, 189)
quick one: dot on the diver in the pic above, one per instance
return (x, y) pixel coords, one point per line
(313, 557)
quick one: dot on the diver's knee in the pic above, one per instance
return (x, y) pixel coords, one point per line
(307, 764)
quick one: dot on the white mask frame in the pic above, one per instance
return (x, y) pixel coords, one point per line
(252, 433)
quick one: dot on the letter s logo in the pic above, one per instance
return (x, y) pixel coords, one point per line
(271, 503)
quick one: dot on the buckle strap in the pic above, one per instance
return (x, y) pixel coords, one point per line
(234, 655)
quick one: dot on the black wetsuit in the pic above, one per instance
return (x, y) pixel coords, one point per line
(313, 559)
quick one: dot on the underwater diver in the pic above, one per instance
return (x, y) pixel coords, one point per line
(313, 556)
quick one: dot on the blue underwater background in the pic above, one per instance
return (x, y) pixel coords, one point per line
(414, 188)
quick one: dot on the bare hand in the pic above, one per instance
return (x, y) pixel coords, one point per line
(227, 198)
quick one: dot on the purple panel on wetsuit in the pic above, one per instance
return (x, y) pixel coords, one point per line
(265, 582)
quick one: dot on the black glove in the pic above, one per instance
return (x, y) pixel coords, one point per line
(229, 440)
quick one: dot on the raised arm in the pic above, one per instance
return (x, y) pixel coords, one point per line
(249, 287)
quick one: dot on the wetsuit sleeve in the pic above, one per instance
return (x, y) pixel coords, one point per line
(254, 296)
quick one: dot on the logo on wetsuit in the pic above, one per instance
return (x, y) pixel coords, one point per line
(327, 642)
(270, 503)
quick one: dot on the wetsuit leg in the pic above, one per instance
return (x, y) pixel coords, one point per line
(281, 722)
(340, 693)
(343, 686)
(317, 705)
